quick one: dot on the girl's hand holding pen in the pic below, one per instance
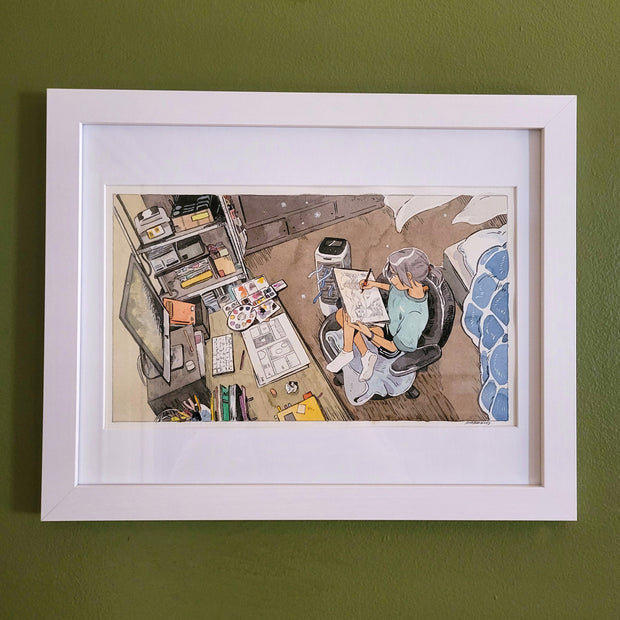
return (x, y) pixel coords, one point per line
(364, 282)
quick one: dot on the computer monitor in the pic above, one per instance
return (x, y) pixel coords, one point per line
(146, 319)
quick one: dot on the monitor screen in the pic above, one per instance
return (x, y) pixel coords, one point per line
(143, 314)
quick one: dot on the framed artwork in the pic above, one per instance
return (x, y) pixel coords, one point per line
(395, 272)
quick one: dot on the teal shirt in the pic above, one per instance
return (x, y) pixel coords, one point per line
(408, 318)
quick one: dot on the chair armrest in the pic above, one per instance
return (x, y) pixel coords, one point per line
(329, 325)
(415, 360)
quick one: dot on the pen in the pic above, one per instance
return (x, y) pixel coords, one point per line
(191, 348)
(366, 279)
(242, 358)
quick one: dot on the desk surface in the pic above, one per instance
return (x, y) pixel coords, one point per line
(264, 404)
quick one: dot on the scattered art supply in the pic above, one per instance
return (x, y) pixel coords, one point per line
(199, 340)
(189, 343)
(241, 292)
(266, 310)
(257, 298)
(308, 410)
(241, 318)
(250, 288)
(261, 283)
(229, 307)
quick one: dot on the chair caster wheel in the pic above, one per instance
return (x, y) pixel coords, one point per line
(338, 379)
(412, 392)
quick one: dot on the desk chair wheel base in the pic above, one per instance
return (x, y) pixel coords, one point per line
(412, 392)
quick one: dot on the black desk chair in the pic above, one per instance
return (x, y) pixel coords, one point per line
(441, 312)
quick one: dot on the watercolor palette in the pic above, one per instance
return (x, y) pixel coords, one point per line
(241, 318)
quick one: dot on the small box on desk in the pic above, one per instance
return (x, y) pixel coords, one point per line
(191, 216)
(181, 312)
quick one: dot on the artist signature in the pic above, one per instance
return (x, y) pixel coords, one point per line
(487, 422)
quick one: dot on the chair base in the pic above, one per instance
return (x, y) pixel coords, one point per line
(411, 393)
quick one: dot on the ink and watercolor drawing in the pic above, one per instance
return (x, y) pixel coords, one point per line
(289, 306)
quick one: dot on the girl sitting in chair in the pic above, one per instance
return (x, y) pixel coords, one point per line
(407, 308)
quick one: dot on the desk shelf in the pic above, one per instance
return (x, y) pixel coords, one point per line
(180, 236)
(221, 232)
(199, 288)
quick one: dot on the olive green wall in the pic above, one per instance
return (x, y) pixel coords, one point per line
(298, 569)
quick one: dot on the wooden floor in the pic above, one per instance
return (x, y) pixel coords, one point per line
(449, 388)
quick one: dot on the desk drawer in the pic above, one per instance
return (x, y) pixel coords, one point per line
(312, 218)
(257, 209)
(266, 234)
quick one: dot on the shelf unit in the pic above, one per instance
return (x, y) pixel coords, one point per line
(224, 231)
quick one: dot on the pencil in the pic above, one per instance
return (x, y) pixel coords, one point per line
(191, 348)
(366, 279)
(242, 358)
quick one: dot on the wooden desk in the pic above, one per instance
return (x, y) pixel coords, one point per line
(264, 404)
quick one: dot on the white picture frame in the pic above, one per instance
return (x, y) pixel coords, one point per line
(550, 494)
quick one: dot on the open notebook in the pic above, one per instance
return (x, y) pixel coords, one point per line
(365, 306)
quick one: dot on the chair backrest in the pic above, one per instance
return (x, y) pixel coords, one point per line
(441, 310)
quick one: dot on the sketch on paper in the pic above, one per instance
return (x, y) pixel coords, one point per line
(245, 307)
(362, 304)
(274, 350)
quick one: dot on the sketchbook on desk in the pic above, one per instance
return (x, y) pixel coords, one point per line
(274, 349)
(366, 305)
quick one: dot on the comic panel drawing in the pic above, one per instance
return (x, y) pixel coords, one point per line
(278, 307)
